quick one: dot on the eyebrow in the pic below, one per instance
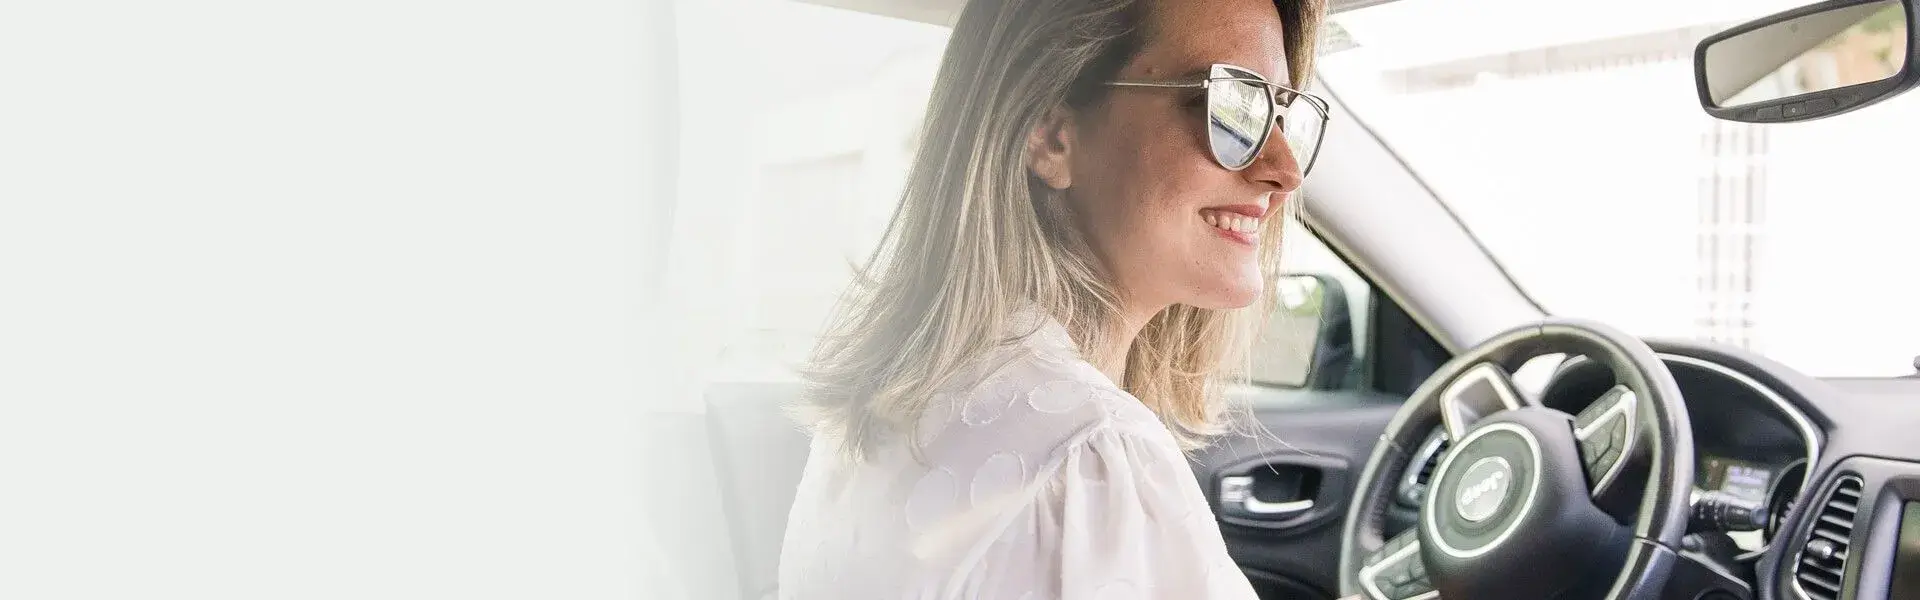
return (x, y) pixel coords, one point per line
(1207, 71)
(1204, 72)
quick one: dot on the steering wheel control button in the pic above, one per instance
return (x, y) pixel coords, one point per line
(1592, 413)
(1593, 452)
(1413, 589)
(1596, 446)
(1396, 571)
(1598, 468)
(1387, 549)
(1483, 490)
(1603, 430)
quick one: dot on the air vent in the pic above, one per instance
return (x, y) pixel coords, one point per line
(1823, 560)
(1433, 461)
(1419, 473)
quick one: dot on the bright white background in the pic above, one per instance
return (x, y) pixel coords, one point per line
(325, 299)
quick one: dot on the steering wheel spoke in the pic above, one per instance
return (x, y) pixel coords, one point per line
(1476, 394)
(1605, 433)
(1396, 572)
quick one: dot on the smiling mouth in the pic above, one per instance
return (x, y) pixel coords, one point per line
(1232, 222)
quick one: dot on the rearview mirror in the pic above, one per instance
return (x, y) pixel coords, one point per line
(1807, 63)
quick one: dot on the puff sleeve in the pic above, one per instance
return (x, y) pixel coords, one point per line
(1122, 517)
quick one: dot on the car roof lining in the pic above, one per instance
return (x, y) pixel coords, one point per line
(944, 12)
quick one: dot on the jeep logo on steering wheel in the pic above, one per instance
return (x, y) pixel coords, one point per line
(1483, 489)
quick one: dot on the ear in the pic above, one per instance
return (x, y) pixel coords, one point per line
(1050, 148)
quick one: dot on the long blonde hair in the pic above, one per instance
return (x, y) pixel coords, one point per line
(976, 238)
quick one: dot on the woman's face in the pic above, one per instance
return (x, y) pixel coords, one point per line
(1141, 183)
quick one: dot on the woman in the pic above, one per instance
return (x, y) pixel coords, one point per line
(1001, 409)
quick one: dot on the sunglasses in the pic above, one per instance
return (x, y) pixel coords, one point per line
(1242, 108)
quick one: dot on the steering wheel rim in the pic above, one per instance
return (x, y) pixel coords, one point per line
(1657, 441)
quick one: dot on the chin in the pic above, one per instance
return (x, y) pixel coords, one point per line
(1231, 296)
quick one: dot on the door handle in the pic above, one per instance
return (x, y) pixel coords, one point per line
(1279, 492)
(1239, 490)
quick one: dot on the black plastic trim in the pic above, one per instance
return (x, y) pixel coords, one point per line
(1844, 99)
(1886, 485)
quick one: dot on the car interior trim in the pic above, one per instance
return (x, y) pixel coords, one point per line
(1825, 495)
(1427, 451)
(1451, 409)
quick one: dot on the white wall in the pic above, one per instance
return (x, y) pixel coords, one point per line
(799, 121)
(320, 300)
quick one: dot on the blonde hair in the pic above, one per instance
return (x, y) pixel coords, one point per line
(976, 238)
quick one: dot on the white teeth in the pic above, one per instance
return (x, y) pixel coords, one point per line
(1231, 222)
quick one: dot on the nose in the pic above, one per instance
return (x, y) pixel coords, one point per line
(1276, 166)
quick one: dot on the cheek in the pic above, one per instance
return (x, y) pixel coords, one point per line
(1139, 193)
(1146, 173)
(1135, 187)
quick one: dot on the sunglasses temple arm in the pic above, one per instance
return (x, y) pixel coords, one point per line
(1156, 84)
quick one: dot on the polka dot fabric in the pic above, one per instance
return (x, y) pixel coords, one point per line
(1038, 479)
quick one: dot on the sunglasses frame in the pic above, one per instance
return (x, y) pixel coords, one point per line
(1280, 109)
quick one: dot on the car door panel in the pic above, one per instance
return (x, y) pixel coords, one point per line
(1282, 493)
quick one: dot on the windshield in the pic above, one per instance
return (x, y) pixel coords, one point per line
(1574, 147)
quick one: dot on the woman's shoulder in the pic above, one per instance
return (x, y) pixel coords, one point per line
(1029, 402)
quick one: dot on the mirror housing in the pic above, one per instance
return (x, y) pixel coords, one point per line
(1309, 336)
(1808, 63)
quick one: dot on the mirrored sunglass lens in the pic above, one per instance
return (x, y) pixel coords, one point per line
(1302, 127)
(1239, 113)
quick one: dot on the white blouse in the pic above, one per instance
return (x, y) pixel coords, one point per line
(1041, 480)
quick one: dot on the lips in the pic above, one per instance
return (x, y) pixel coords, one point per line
(1256, 210)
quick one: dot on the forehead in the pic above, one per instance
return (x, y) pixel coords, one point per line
(1185, 36)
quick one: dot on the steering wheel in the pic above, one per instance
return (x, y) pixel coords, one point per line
(1528, 502)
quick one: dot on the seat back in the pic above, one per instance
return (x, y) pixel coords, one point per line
(758, 454)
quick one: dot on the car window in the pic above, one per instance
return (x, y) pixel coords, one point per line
(1311, 277)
